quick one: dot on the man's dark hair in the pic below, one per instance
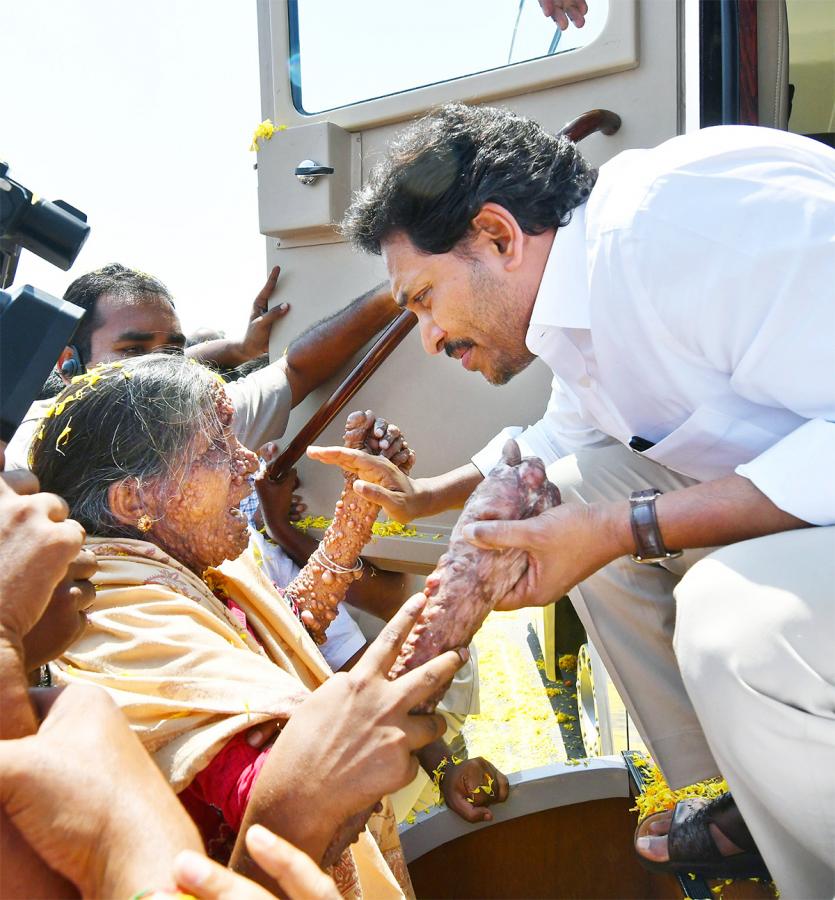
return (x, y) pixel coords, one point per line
(114, 279)
(440, 172)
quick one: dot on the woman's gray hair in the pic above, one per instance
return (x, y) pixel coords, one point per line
(136, 419)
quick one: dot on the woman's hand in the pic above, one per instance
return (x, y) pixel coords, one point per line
(471, 786)
(378, 480)
(565, 545)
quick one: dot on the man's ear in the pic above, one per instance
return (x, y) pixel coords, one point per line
(125, 503)
(495, 225)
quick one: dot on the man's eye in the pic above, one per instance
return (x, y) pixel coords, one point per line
(420, 299)
(132, 351)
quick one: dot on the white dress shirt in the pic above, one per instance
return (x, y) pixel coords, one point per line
(691, 302)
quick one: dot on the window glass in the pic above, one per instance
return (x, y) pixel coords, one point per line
(346, 52)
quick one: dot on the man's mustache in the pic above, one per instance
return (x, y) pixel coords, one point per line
(452, 347)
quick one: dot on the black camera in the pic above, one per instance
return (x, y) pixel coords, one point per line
(34, 326)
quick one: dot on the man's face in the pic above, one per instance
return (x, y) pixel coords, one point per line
(467, 306)
(133, 326)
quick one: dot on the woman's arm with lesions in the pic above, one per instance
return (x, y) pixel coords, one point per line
(335, 564)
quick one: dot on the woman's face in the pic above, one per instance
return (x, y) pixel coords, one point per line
(195, 514)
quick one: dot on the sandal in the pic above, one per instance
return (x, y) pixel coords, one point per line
(691, 846)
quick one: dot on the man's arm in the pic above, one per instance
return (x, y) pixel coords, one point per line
(326, 347)
(711, 514)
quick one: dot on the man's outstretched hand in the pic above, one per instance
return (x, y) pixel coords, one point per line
(565, 545)
(378, 480)
(256, 341)
(227, 353)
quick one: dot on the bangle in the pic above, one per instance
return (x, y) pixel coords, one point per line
(326, 562)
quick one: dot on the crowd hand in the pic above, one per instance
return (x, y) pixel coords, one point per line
(276, 499)
(38, 542)
(471, 786)
(88, 799)
(378, 480)
(563, 10)
(256, 341)
(64, 619)
(565, 545)
(355, 732)
(293, 505)
(295, 872)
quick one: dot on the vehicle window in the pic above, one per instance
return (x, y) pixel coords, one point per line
(347, 52)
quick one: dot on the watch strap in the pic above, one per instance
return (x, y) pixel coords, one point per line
(649, 545)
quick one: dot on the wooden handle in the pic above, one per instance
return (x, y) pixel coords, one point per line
(594, 120)
(364, 369)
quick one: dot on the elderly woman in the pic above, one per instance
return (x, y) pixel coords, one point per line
(196, 647)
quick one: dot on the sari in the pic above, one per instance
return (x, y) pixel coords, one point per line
(189, 676)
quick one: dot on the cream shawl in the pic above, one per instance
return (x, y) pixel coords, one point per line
(189, 677)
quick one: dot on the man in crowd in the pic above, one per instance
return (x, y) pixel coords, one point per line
(130, 313)
(682, 297)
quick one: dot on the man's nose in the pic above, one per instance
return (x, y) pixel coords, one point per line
(431, 335)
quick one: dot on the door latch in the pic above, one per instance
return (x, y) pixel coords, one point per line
(308, 171)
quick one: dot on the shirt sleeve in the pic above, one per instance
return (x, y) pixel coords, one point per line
(760, 313)
(262, 402)
(562, 430)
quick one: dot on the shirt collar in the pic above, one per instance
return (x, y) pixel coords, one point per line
(563, 297)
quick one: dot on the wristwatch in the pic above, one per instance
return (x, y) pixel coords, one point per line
(649, 545)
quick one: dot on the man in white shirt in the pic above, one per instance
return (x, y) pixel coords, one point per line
(683, 298)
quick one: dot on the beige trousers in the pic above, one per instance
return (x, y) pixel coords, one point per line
(755, 641)
(694, 701)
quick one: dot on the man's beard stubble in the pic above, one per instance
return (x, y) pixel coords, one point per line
(501, 314)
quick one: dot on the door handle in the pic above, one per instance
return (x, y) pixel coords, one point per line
(307, 171)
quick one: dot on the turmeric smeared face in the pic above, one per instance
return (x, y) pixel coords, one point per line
(196, 512)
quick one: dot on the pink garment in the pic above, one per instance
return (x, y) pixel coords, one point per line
(227, 781)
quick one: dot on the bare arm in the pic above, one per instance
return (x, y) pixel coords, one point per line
(326, 347)
(589, 537)
(403, 498)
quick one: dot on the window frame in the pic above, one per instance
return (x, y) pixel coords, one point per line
(614, 50)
